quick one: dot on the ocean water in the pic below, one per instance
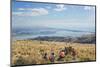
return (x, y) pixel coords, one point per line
(27, 33)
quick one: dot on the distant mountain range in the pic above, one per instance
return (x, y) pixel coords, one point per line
(82, 39)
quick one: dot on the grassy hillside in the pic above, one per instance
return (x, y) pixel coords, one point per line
(32, 51)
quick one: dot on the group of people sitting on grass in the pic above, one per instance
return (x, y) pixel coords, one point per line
(62, 53)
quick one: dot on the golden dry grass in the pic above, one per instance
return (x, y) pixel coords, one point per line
(29, 51)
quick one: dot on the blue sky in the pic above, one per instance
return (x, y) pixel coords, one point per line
(28, 14)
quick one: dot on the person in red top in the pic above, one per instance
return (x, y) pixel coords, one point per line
(61, 55)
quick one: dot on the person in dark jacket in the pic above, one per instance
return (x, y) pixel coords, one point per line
(45, 56)
(74, 53)
(66, 50)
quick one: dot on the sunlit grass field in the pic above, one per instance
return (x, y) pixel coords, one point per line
(31, 51)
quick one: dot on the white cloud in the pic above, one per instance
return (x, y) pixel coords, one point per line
(60, 8)
(17, 13)
(20, 9)
(40, 11)
(31, 12)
